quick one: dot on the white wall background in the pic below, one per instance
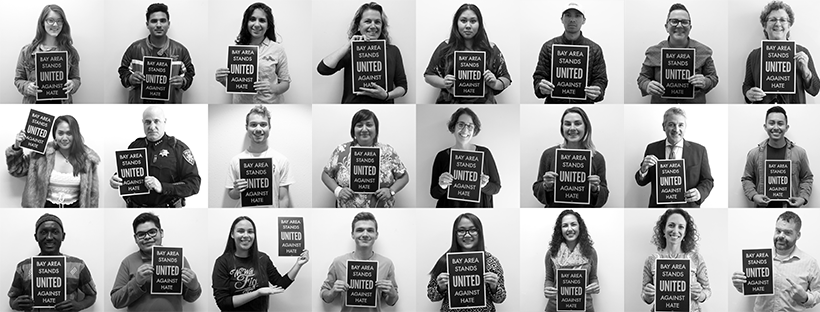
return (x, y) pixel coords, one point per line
(540, 125)
(11, 188)
(81, 241)
(289, 134)
(709, 27)
(187, 123)
(497, 133)
(329, 33)
(434, 27)
(745, 33)
(705, 125)
(712, 246)
(499, 229)
(294, 298)
(125, 23)
(542, 21)
(225, 16)
(86, 30)
(397, 125)
(330, 233)
(182, 228)
(754, 228)
(746, 132)
(603, 226)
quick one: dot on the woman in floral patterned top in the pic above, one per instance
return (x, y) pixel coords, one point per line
(468, 235)
(393, 176)
(570, 248)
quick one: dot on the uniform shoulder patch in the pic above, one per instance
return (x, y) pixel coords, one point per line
(189, 156)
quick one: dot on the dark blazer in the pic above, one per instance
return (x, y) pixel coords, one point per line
(698, 173)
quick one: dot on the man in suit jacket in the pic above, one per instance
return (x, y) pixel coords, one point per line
(699, 180)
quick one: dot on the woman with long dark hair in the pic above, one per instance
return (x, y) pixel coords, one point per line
(570, 248)
(53, 34)
(468, 235)
(467, 34)
(273, 81)
(64, 176)
(243, 276)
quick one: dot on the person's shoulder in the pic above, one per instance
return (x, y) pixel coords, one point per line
(598, 154)
(263, 256)
(342, 258)
(695, 145)
(74, 259)
(26, 48)
(138, 143)
(177, 44)
(92, 155)
(656, 143)
(137, 43)
(383, 260)
(177, 143)
(551, 149)
(800, 48)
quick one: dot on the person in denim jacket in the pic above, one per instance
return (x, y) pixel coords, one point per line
(53, 34)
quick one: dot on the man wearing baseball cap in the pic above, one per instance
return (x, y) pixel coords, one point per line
(80, 289)
(573, 18)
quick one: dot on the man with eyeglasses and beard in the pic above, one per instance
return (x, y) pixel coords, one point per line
(49, 234)
(678, 24)
(132, 288)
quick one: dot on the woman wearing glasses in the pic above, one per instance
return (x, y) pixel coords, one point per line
(577, 132)
(678, 24)
(53, 34)
(777, 19)
(464, 125)
(468, 235)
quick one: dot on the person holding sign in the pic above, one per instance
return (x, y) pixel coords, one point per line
(65, 176)
(796, 274)
(676, 236)
(80, 290)
(258, 29)
(132, 286)
(53, 34)
(777, 19)
(365, 231)
(172, 170)
(464, 125)
(467, 34)
(369, 23)
(393, 176)
(777, 147)
(573, 18)
(576, 128)
(697, 173)
(703, 79)
(468, 235)
(257, 125)
(157, 44)
(571, 248)
(244, 277)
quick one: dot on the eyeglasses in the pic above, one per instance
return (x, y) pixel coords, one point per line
(460, 125)
(462, 232)
(144, 235)
(775, 20)
(676, 22)
(52, 21)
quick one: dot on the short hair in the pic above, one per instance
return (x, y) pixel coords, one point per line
(146, 217)
(774, 6)
(244, 36)
(789, 216)
(451, 125)
(362, 115)
(258, 110)
(363, 216)
(677, 6)
(777, 109)
(673, 111)
(690, 238)
(157, 7)
(357, 18)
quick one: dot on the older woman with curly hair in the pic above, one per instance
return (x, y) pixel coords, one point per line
(676, 237)
(571, 248)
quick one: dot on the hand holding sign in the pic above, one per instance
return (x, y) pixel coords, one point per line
(692, 195)
(153, 183)
(136, 78)
(549, 179)
(594, 182)
(592, 92)
(32, 89)
(655, 88)
(593, 288)
(648, 161)
(115, 181)
(304, 257)
(484, 180)
(68, 305)
(443, 280)
(177, 81)
(490, 78)
(550, 292)
(649, 291)
(188, 276)
(755, 94)
(373, 90)
(738, 279)
(445, 180)
(697, 80)
(797, 201)
(144, 273)
(695, 289)
(69, 87)
(545, 86)
(240, 185)
(491, 279)
(760, 199)
(22, 303)
(19, 139)
(386, 286)
(803, 64)
(797, 292)
(383, 194)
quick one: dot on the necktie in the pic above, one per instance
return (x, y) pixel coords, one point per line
(672, 152)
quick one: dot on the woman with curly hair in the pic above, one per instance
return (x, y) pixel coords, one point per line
(676, 237)
(571, 248)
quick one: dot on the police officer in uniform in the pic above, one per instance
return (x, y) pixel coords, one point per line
(172, 170)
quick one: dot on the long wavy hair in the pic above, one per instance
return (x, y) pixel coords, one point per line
(244, 36)
(586, 141)
(64, 41)
(456, 42)
(441, 264)
(76, 153)
(584, 240)
(690, 238)
(230, 246)
(354, 24)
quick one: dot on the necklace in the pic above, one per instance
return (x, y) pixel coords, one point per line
(64, 157)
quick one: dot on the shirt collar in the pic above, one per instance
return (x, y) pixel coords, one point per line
(161, 48)
(679, 144)
(796, 253)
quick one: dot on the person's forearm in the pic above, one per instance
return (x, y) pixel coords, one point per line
(294, 270)
(240, 300)
(435, 81)
(329, 295)
(333, 59)
(280, 87)
(233, 193)
(87, 301)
